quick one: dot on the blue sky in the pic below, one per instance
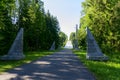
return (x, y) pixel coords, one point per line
(66, 11)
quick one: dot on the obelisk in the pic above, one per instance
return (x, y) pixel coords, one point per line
(16, 50)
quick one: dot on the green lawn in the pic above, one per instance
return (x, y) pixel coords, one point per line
(30, 56)
(109, 70)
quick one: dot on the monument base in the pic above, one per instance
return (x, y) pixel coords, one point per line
(76, 49)
(16, 50)
(12, 57)
(97, 58)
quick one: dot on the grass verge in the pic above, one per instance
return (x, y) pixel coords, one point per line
(109, 70)
(30, 56)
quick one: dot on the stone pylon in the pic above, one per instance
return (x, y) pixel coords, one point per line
(75, 46)
(93, 50)
(53, 46)
(16, 50)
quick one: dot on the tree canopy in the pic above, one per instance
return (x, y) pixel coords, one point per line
(41, 28)
(102, 17)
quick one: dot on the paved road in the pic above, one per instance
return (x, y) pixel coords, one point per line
(63, 65)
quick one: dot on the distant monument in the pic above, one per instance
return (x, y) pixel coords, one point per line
(93, 50)
(53, 46)
(16, 50)
(75, 46)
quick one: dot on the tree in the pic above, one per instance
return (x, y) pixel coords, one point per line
(40, 29)
(52, 29)
(100, 16)
(7, 28)
(82, 38)
(72, 38)
(62, 38)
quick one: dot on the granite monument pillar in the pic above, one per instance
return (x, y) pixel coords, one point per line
(16, 50)
(93, 50)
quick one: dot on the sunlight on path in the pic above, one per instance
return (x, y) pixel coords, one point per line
(68, 45)
(62, 65)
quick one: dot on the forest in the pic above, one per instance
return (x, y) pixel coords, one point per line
(41, 28)
(102, 17)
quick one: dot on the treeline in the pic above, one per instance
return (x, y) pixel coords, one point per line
(103, 19)
(41, 29)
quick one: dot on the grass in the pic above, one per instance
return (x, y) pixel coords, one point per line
(30, 56)
(109, 70)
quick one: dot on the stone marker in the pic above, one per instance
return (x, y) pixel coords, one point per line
(93, 50)
(75, 46)
(53, 46)
(16, 50)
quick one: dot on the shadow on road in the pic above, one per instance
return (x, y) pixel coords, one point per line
(63, 65)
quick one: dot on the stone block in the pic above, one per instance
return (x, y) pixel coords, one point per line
(93, 50)
(16, 50)
(53, 46)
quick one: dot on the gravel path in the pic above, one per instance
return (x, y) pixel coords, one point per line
(62, 65)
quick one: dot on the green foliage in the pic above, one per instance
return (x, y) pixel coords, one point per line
(109, 70)
(82, 38)
(102, 17)
(72, 38)
(40, 29)
(63, 38)
(7, 29)
(52, 30)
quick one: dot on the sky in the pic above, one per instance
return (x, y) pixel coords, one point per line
(66, 11)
